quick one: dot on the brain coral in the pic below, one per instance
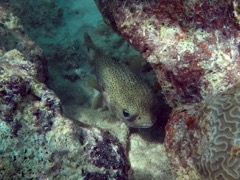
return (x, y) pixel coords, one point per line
(203, 142)
(220, 153)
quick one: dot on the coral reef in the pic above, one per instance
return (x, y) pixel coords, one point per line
(13, 36)
(193, 47)
(220, 141)
(67, 70)
(236, 10)
(204, 139)
(37, 141)
(42, 21)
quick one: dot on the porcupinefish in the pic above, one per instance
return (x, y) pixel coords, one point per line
(125, 94)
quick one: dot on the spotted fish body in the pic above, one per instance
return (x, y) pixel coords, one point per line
(126, 95)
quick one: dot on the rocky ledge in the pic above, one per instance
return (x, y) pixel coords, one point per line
(37, 140)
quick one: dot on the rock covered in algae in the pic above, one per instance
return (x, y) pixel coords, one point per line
(37, 141)
(13, 36)
(104, 120)
(192, 45)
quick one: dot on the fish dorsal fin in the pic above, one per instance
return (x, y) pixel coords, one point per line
(90, 46)
(88, 41)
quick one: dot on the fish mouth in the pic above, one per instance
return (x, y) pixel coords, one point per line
(148, 125)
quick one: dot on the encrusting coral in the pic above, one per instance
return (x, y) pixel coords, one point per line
(193, 47)
(37, 141)
(205, 138)
(220, 142)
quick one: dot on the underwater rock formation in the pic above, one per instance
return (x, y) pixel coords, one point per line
(37, 141)
(12, 36)
(194, 49)
(192, 45)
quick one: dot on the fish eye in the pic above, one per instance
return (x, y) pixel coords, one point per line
(126, 114)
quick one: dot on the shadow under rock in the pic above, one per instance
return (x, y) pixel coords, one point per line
(157, 132)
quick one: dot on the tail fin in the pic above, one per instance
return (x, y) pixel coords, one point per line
(88, 41)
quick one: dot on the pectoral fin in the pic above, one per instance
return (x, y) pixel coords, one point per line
(97, 101)
(92, 82)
